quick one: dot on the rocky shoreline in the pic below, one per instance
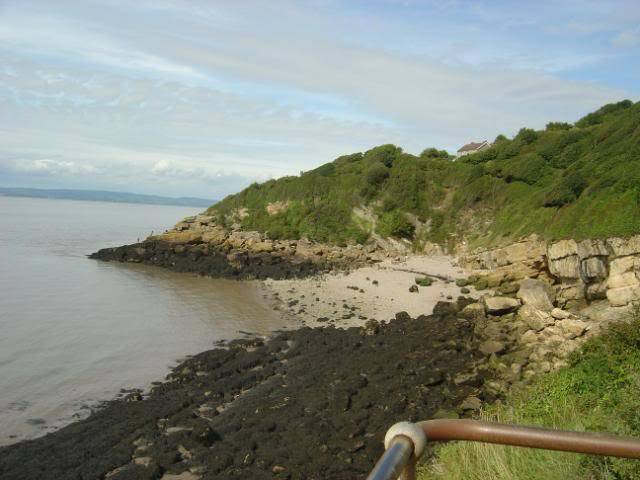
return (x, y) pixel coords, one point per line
(199, 245)
(312, 403)
(315, 402)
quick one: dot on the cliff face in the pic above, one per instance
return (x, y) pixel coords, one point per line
(578, 271)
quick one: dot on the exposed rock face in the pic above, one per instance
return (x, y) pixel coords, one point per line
(197, 244)
(516, 261)
(535, 293)
(578, 272)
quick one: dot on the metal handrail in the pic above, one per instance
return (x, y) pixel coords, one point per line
(400, 456)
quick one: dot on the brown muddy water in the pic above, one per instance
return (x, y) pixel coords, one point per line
(74, 331)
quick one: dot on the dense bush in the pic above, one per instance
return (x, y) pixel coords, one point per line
(528, 169)
(577, 182)
(395, 224)
(553, 126)
(434, 153)
(376, 174)
(384, 154)
(599, 115)
(568, 190)
(527, 135)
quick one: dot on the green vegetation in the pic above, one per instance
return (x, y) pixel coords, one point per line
(579, 181)
(424, 281)
(597, 391)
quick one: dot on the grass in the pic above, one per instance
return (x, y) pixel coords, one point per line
(578, 181)
(598, 391)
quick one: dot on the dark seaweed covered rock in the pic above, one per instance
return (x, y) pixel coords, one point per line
(314, 403)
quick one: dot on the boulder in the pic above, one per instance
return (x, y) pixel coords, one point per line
(593, 248)
(535, 293)
(509, 288)
(627, 279)
(622, 265)
(529, 337)
(560, 314)
(562, 249)
(540, 354)
(492, 346)
(262, 246)
(474, 311)
(534, 318)
(470, 378)
(569, 291)
(500, 305)
(565, 267)
(619, 297)
(572, 328)
(215, 235)
(471, 403)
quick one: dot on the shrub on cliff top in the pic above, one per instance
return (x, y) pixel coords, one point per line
(558, 183)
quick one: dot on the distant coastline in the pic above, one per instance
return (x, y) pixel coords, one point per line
(105, 196)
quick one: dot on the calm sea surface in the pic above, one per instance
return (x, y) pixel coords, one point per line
(74, 331)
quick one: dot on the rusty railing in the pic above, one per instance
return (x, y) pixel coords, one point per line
(405, 442)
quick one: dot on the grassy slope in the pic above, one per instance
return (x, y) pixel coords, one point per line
(598, 391)
(578, 181)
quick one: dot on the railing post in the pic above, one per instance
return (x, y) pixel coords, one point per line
(405, 442)
(409, 472)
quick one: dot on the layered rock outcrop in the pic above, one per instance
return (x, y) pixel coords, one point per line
(578, 271)
(198, 244)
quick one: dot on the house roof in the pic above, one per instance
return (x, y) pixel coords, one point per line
(469, 147)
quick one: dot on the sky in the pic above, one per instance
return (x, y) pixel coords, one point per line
(203, 97)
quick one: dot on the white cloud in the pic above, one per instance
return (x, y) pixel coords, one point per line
(627, 38)
(48, 166)
(203, 95)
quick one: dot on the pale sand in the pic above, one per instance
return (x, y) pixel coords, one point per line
(327, 295)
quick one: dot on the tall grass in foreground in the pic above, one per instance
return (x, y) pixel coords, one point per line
(598, 391)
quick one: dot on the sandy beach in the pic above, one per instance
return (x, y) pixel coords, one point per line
(378, 291)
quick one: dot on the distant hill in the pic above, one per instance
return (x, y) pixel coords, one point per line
(577, 180)
(105, 196)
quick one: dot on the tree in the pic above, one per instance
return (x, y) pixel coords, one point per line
(376, 174)
(555, 126)
(434, 153)
(527, 135)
